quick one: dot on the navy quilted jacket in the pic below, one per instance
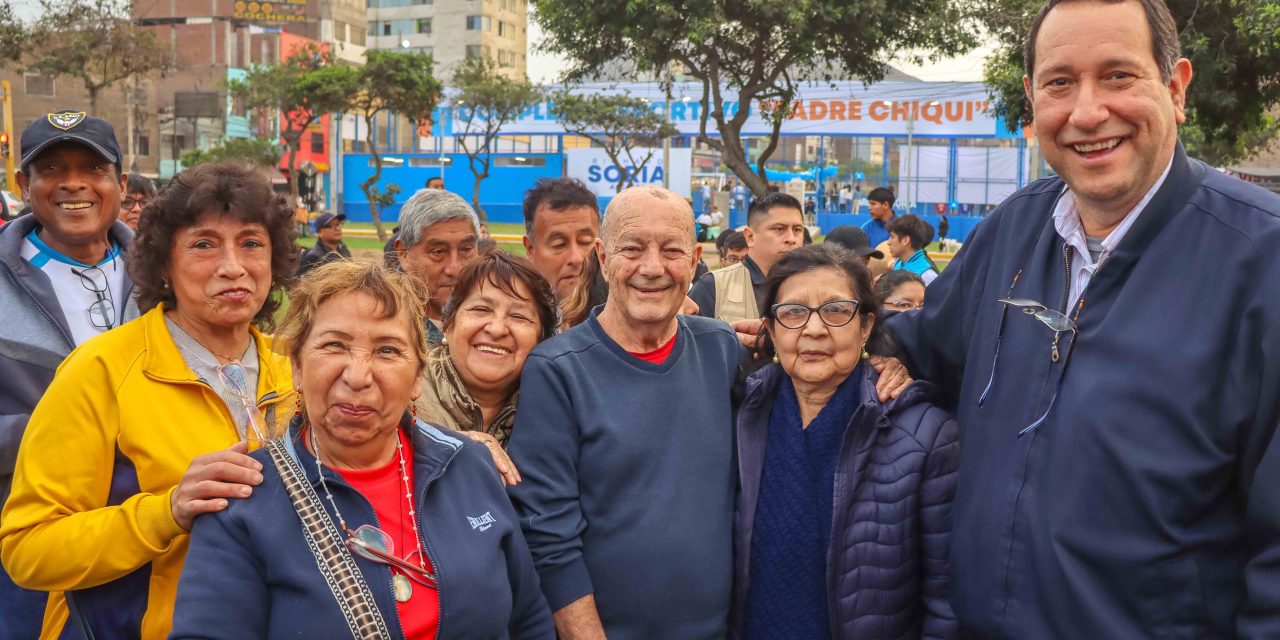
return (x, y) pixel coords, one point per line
(895, 481)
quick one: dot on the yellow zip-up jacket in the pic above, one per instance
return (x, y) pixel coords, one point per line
(76, 521)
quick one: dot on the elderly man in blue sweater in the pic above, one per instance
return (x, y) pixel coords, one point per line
(1111, 341)
(624, 440)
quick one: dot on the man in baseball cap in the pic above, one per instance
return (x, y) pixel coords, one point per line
(62, 282)
(328, 246)
(855, 240)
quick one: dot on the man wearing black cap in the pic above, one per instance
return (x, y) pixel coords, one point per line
(855, 240)
(328, 246)
(63, 283)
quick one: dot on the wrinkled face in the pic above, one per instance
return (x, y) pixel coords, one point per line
(650, 261)
(74, 194)
(131, 208)
(907, 296)
(1106, 121)
(491, 335)
(437, 257)
(776, 233)
(357, 371)
(331, 234)
(220, 270)
(817, 353)
(880, 210)
(562, 239)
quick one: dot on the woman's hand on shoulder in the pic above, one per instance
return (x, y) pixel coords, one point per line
(211, 479)
(506, 468)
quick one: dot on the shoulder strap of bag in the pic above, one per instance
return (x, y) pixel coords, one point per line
(332, 557)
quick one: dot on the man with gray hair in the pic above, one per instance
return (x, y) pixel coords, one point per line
(628, 478)
(438, 234)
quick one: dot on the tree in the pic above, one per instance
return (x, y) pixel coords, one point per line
(401, 83)
(485, 101)
(95, 42)
(745, 52)
(1234, 48)
(14, 35)
(261, 152)
(619, 123)
(301, 89)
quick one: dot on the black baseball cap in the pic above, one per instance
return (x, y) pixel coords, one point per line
(324, 219)
(853, 239)
(70, 126)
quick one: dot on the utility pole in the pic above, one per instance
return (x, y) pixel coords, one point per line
(11, 182)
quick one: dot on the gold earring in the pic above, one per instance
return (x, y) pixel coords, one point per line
(865, 355)
(775, 358)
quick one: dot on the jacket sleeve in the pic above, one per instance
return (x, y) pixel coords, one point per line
(1259, 475)
(60, 488)
(530, 616)
(222, 593)
(11, 427)
(545, 446)
(937, 493)
(703, 293)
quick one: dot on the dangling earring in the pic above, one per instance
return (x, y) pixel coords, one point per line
(775, 359)
(164, 283)
(444, 340)
(297, 406)
(865, 355)
(413, 409)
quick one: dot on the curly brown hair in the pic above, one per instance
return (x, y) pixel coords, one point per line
(232, 188)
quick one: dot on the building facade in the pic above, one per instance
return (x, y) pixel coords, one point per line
(453, 30)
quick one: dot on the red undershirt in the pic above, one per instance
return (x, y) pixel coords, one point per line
(659, 355)
(384, 488)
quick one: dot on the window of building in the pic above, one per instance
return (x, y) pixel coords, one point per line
(38, 85)
(424, 25)
(373, 26)
(430, 161)
(477, 51)
(386, 28)
(317, 142)
(506, 58)
(479, 23)
(144, 145)
(520, 161)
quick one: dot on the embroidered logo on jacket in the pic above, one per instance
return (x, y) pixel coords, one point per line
(481, 523)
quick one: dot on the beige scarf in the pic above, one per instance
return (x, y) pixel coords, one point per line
(446, 402)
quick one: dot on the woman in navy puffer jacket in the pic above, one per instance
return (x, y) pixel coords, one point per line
(844, 508)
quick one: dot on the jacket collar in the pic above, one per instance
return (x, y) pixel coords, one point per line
(13, 234)
(163, 360)
(433, 450)
(451, 396)
(762, 388)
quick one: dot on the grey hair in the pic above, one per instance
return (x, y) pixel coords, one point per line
(429, 206)
(625, 201)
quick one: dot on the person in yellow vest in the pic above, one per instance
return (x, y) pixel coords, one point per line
(775, 225)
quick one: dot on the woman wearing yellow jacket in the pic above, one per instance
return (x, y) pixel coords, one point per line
(144, 427)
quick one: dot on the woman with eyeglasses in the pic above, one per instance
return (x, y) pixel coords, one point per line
(844, 503)
(139, 191)
(370, 523)
(900, 290)
(146, 426)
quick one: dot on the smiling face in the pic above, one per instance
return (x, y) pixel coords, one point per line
(74, 194)
(649, 260)
(816, 353)
(357, 371)
(220, 271)
(437, 257)
(562, 239)
(1106, 121)
(491, 336)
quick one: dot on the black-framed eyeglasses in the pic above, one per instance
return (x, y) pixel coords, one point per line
(102, 312)
(130, 203)
(792, 315)
(1057, 322)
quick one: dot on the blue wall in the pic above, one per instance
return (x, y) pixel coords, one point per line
(961, 226)
(501, 193)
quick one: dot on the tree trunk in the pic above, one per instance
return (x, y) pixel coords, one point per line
(475, 196)
(375, 211)
(93, 101)
(735, 157)
(293, 173)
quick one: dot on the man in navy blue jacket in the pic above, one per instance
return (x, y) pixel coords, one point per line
(1111, 342)
(624, 440)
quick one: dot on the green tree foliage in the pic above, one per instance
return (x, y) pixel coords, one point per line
(746, 52)
(299, 90)
(1234, 48)
(401, 83)
(620, 123)
(95, 42)
(484, 101)
(260, 152)
(14, 35)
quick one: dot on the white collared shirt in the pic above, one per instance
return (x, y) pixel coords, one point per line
(1066, 220)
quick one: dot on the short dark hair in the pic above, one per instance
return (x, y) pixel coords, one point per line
(825, 256)
(891, 280)
(232, 189)
(502, 270)
(761, 205)
(736, 241)
(919, 232)
(559, 194)
(881, 194)
(1165, 47)
(427, 184)
(140, 184)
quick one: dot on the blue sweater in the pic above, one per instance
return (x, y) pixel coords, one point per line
(628, 478)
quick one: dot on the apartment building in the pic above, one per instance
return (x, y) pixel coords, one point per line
(452, 30)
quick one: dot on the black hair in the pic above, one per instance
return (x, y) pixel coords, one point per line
(891, 280)
(559, 194)
(763, 204)
(1165, 47)
(919, 232)
(736, 241)
(881, 194)
(140, 184)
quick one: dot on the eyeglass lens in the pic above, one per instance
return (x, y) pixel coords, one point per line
(373, 544)
(836, 313)
(102, 312)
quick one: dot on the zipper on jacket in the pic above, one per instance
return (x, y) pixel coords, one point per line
(1066, 300)
(426, 543)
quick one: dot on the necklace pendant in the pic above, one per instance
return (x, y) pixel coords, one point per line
(401, 587)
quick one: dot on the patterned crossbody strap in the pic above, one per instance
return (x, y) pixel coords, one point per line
(332, 557)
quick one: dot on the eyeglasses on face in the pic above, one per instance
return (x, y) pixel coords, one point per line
(131, 203)
(902, 305)
(837, 313)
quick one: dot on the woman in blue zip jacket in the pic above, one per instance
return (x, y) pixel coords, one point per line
(390, 528)
(843, 513)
